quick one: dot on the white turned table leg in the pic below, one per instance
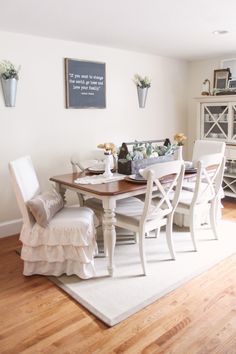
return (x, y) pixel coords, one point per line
(109, 231)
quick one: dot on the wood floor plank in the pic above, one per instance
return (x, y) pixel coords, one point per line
(197, 318)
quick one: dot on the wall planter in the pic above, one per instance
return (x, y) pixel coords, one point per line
(142, 96)
(9, 88)
(142, 84)
(9, 79)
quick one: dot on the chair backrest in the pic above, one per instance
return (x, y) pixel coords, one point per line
(205, 147)
(25, 184)
(168, 178)
(79, 164)
(210, 170)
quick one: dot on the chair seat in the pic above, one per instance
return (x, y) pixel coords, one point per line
(72, 225)
(190, 186)
(122, 234)
(185, 198)
(131, 209)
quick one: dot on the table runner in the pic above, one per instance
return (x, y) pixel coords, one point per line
(98, 179)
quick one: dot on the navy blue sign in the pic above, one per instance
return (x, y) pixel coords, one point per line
(85, 84)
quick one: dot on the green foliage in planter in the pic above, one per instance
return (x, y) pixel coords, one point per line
(8, 70)
(148, 150)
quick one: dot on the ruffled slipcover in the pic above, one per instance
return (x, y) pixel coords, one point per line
(67, 245)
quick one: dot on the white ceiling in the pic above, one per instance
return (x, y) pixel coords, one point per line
(174, 28)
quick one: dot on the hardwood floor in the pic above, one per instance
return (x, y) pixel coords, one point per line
(38, 317)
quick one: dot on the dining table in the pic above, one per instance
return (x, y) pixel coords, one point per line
(109, 194)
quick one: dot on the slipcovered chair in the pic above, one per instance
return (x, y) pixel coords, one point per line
(57, 239)
(142, 217)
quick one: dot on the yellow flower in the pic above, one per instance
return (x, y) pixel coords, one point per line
(180, 138)
(108, 147)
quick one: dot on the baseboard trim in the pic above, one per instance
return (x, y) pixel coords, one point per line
(10, 228)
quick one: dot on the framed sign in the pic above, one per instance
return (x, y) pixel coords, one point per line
(85, 84)
(221, 78)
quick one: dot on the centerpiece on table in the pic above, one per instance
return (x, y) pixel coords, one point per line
(9, 78)
(142, 84)
(109, 153)
(143, 154)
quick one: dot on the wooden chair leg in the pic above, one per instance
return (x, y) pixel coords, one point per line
(213, 210)
(142, 253)
(192, 230)
(169, 234)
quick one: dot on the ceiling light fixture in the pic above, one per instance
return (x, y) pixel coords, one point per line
(220, 32)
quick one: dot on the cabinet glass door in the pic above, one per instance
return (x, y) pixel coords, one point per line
(234, 122)
(216, 121)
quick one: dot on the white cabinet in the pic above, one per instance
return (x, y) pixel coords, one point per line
(217, 121)
(229, 180)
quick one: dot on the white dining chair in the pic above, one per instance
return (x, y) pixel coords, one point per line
(67, 244)
(79, 165)
(142, 217)
(200, 148)
(205, 147)
(205, 196)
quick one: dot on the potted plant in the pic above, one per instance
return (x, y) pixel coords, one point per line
(142, 84)
(9, 79)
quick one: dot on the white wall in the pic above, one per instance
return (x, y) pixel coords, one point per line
(40, 125)
(198, 72)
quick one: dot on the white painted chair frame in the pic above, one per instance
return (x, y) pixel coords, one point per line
(210, 169)
(154, 217)
(201, 148)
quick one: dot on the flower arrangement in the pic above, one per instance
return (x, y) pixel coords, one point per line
(148, 150)
(180, 139)
(8, 70)
(109, 148)
(142, 82)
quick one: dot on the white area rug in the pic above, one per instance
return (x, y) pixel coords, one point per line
(114, 299)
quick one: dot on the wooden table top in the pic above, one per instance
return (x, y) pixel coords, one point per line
(109, 189)
(104, 189)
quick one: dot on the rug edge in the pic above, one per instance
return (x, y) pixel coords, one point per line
(115, 320)
(82, 302)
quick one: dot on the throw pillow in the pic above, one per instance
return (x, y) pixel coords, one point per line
(44, 206)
